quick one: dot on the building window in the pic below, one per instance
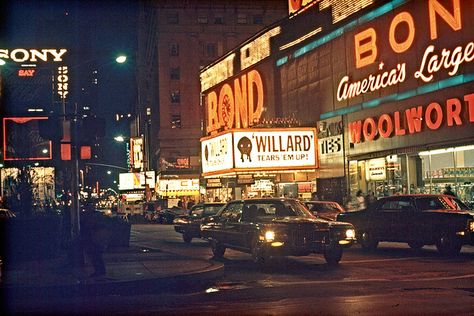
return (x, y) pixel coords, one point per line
(211, 50)
(173, 18)
(174, 73)
(219, 19)
(175, 96)
(258, 19)
(241, 18)
(202, 19)
(176, 121)
(174, 49)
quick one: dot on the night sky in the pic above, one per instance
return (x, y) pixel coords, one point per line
(95, 33)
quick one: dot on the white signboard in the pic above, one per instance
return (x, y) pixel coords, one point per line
(217, 153)
(275, 148)
(375, 170)
(179, 184)
(137, 180)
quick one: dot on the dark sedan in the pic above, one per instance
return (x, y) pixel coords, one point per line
(270, 227)
(189, 225)
(441, 220)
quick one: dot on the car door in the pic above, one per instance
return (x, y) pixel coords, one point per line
(381, 219)
(231, 223)
(403, 218)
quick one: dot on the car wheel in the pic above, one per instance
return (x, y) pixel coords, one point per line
(448, 245)
(333, 254)
(258, 255)
(415, 244)
(367, 242)
(187, 238)
(217, 248)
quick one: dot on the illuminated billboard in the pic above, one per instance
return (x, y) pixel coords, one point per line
(264, 149)
(136, 180)
(22, 140)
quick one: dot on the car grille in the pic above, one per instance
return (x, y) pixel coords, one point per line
(302, 235)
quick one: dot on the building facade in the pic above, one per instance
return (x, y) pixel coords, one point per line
(177, 39)
(387, 85)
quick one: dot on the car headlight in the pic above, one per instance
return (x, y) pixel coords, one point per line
(350, 233)
(269, 236)
(471, 226)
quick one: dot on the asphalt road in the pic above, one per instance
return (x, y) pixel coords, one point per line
(394, 280)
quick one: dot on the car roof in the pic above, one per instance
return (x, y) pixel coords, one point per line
(418, 195)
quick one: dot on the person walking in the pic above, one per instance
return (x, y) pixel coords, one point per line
(360, 200)
(449, 191)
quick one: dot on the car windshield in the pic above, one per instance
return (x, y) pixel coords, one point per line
(440, 203)
(278, 208)
(212, 209)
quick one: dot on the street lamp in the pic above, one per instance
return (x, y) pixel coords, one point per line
(121, 59)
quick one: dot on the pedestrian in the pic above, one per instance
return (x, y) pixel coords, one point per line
(360, 200)
(94, 237)
(449, 191)
(370, 198)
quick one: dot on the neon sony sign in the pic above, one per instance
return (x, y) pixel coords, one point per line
(413, 120)
(237, 104)
(401, 37)
(21, 55)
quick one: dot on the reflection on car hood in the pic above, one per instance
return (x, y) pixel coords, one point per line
(293, 219)
(450, 211)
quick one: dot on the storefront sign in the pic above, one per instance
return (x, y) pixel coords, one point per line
(275, 149)
(20, 55)
(375, 170)
(245, 179)
(237, 104)
(136, 153)
(136, 180)
(453, 112)
(214, 183)
(178, 184)
(435, 61)
(217, 153)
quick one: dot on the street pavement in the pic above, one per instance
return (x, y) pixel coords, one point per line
(131, 269)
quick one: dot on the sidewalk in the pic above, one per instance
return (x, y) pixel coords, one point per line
(132, 269)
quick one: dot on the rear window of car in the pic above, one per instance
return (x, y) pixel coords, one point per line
(440, 203)
(273, 209)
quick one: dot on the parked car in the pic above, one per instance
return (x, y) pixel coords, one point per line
(189, 225)
(441, 220)
(167, 215)
(269, 227)
(6, 214)
(327, 210)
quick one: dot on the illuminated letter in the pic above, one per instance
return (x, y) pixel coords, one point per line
(240, 93)
(470, 104)
(355, 129)
(43, 55)
(387, 132)
(399, 131)
(212, 120)
(453, 111)
(408, 19)
(365, 47)
(414, 117)
(369, 129)
(4, 53)
(453, 20)
(434, 125)
(225, 109)
(255, 112)
(57, 55)
(25, 53)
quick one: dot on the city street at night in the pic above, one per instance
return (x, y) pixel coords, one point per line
(394, 280)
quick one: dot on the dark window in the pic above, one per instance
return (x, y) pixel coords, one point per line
(175, 96)
(233, 211)
(211, 50)
(219, 19)
(258, 19)
(173, 18)
(176, 121)
(174, 73)
(242, 18)
(202, 19)
(174, 49)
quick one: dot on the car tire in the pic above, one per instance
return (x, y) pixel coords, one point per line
(218, 249)
(415, 245)
(333, 254)
(258, 255)
(367, 242)
(187, 238)
(448, 245)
